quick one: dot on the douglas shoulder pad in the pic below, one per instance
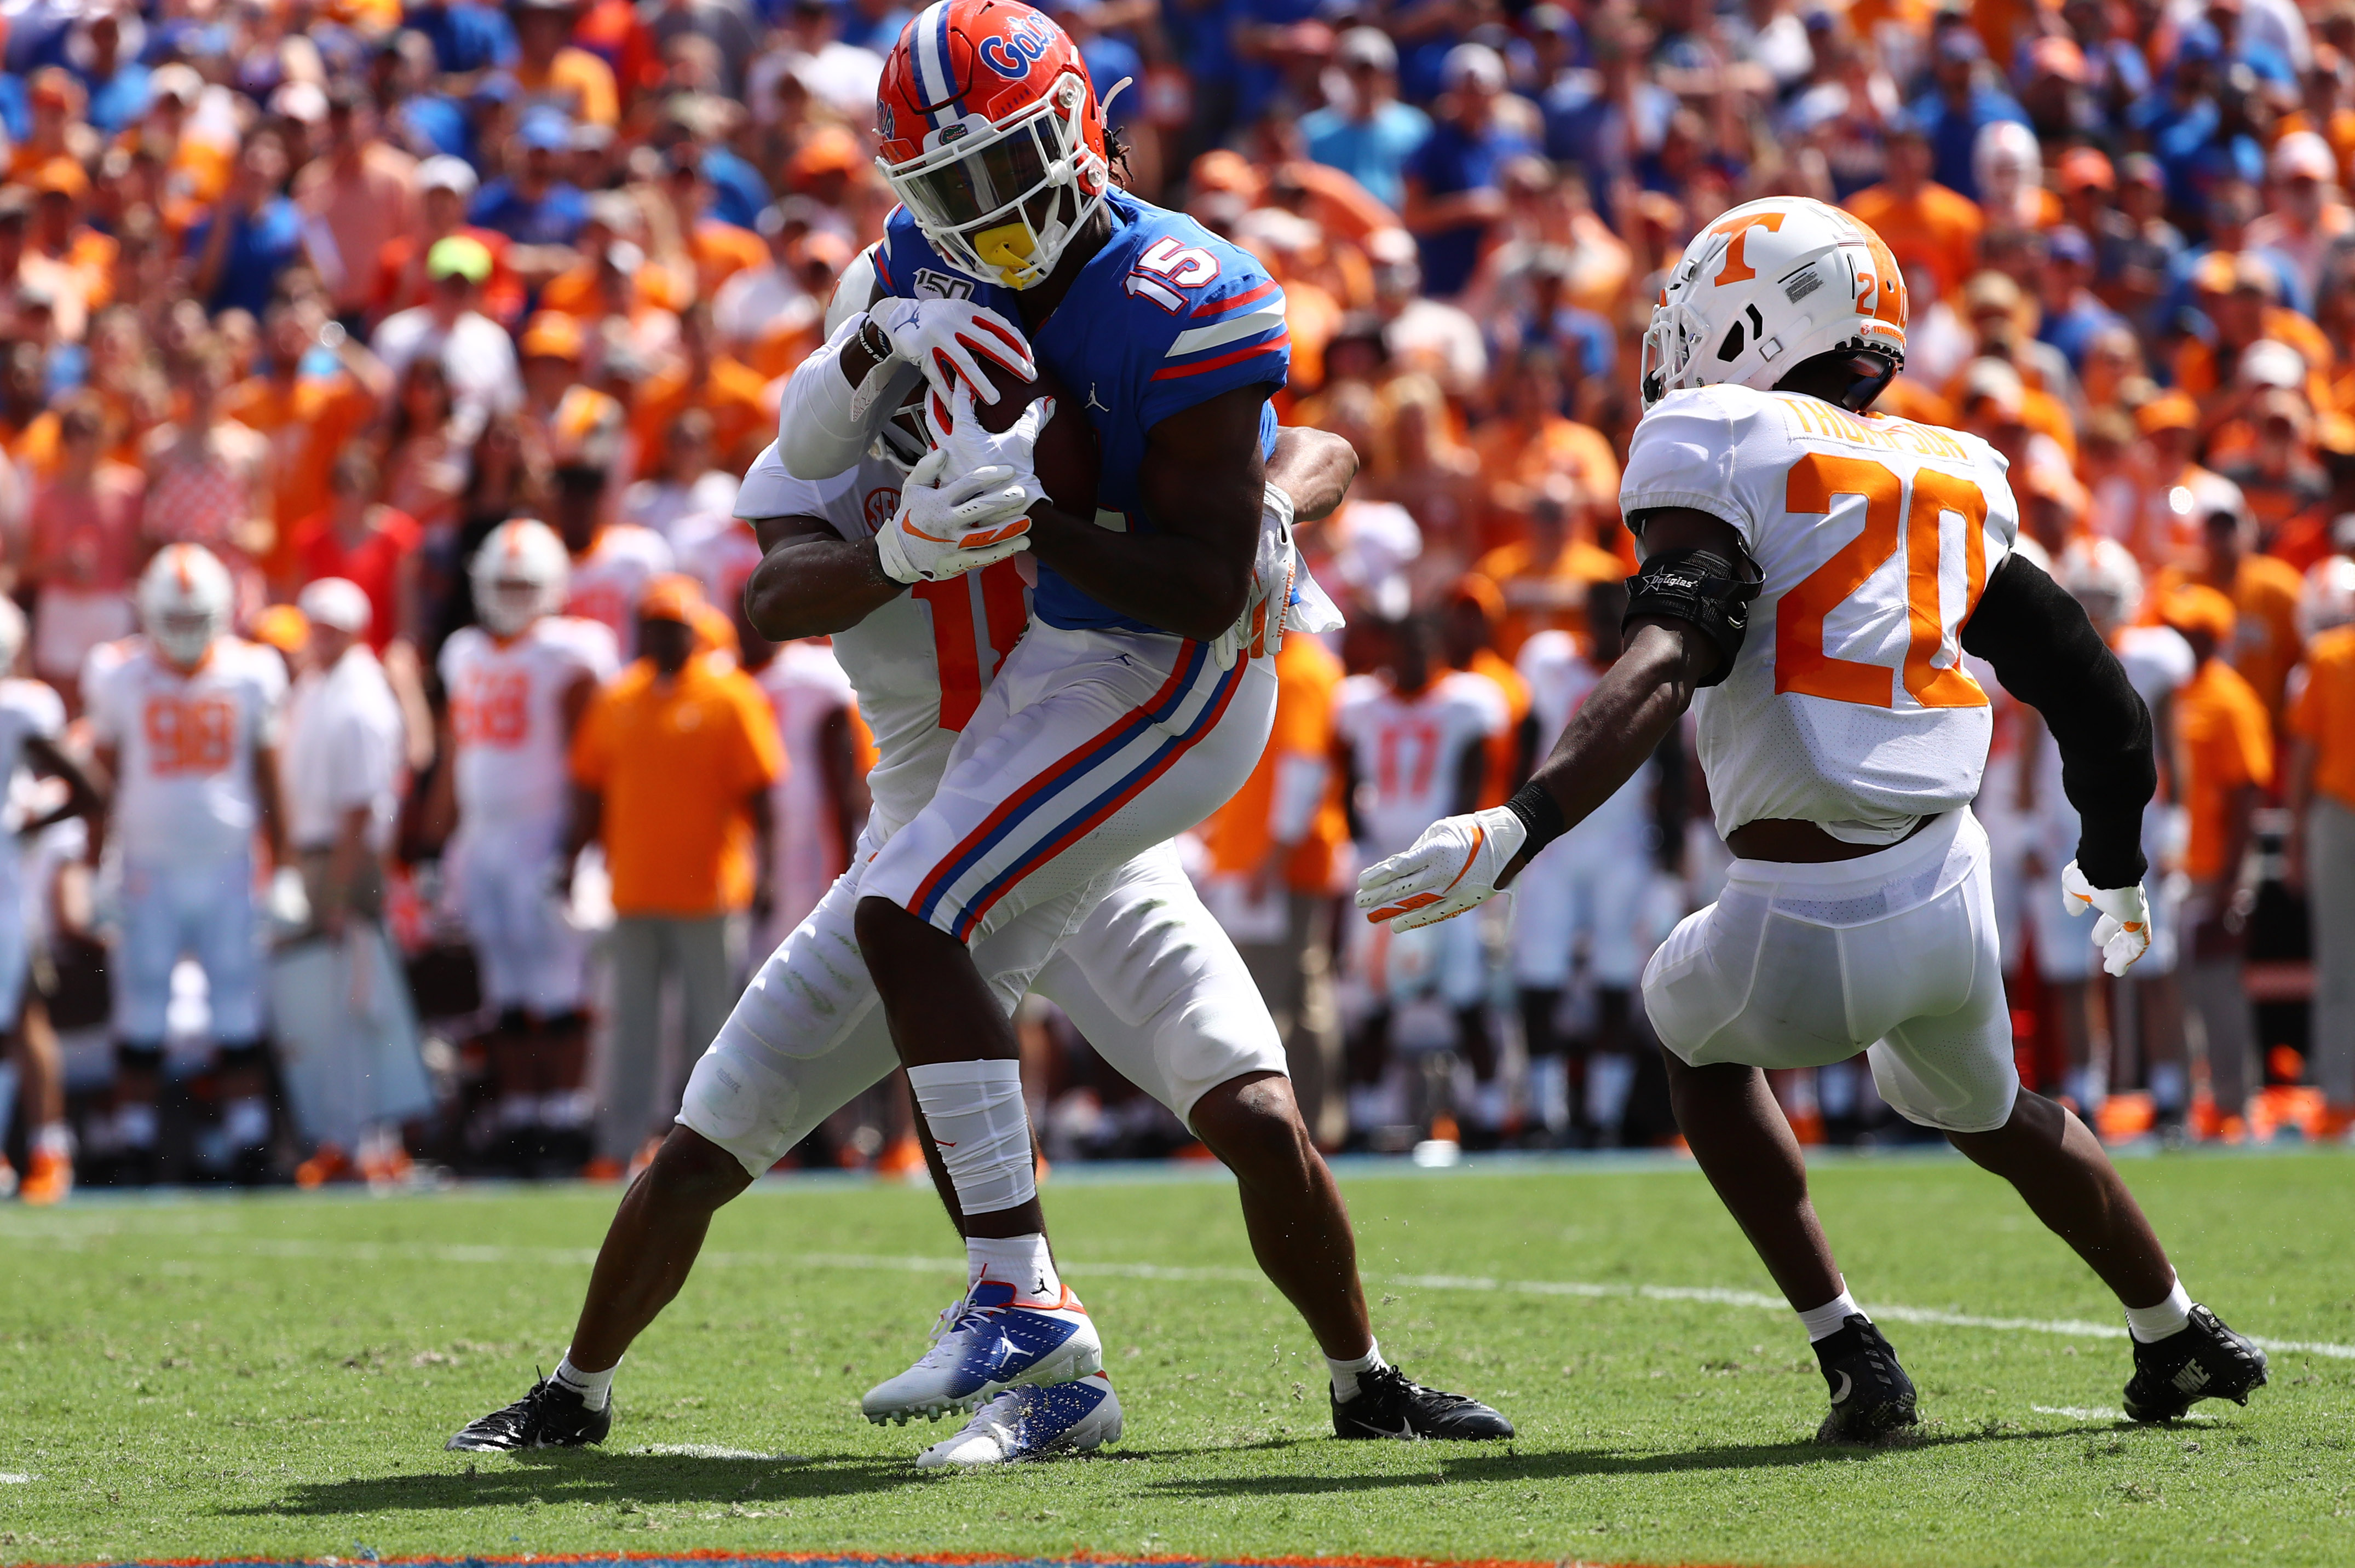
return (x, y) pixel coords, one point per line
(1700, 586)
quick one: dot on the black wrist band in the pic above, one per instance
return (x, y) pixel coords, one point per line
(1539, 813)
(883, 355)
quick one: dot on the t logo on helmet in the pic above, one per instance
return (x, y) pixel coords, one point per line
(1737, 268)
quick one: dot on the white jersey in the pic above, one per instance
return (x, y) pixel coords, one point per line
(1408, 750)
(28, 709)
(804, 685)
(1561, 678)
(507, 715)
(185, 747)
(719, 553)
(607, 582)
(1848, 706)
(920, 662)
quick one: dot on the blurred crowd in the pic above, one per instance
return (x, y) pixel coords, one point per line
(334, 289)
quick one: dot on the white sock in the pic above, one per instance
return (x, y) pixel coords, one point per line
(567, 1109)
(1823, 1322)
(2172, 1315)
(595, 1388)
(135, 1124)
(246, 1122)
(1610, 1076)
(55, 1138)
(1022, 1262)
(1345, 1374)
(975, 1112)
(518, 1110)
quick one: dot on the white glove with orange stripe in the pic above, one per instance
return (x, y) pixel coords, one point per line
(1453, 867)
(2123, 933)
(949, 339)
(945, 530)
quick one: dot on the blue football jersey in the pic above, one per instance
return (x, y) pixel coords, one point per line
(1164, 317)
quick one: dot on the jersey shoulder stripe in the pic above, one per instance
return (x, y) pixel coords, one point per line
(1257, 323)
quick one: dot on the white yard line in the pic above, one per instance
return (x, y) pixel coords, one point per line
(380, 1251)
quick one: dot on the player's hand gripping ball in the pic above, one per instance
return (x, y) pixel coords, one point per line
(950, 525)
(2123, 932)
(1064, 455)
(1455, 866)
(950, 340)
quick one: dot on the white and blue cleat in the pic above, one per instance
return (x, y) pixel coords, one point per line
(1031, 1423)
(985, 1344)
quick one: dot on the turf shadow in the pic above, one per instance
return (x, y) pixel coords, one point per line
(555, 1477)
(1462, 1463)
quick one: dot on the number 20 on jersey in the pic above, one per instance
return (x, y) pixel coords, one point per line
(1893, 520)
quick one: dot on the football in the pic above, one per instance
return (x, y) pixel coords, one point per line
(1065, 457)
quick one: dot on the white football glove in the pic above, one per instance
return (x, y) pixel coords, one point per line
(957, 432)
(1261, 626)
(290, 902)
(2123, 933)
(948, 339)
(1452, 868)
(945, 531)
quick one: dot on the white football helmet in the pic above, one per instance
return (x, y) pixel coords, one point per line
(521, 573)
(902, 441)
(12, 634)
(2102, 575)
(185, 598)
(1769, 285)
(2328, 600)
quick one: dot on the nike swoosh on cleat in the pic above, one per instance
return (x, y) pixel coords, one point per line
(1847, 1386)
(1406, 1430)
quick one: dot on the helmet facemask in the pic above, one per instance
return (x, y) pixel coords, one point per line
(1004, 201)
(185, 636)
(509, 605)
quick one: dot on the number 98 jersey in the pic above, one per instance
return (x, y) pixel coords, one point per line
(185, 744)
(1848, 706)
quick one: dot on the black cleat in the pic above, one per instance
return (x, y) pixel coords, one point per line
(1872, 1396)
(2205, 1360)
(549, 1416)
(1391, 1404)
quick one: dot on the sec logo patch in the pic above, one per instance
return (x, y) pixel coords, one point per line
(882, 506)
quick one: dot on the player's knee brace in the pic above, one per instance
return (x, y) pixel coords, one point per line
(235, 1055)
(139, 1056)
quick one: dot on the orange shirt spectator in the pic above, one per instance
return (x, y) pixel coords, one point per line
(577, 80)
(675, 760)
(728, 390)
(1920, 220)
(2322, 715)
(1243, 831)
(2223, 740)
(307, 420)
(1542, 581)
(2264, 645)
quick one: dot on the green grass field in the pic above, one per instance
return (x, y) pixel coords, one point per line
(276, 1376)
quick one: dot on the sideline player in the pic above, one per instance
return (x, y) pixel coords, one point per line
(1151, 980)
(1415, 743)
(32, 725)
(1843, 743)
(518, 682)
(1142, 694)
(185, 721)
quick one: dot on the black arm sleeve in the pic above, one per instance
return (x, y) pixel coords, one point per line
(2048, 655)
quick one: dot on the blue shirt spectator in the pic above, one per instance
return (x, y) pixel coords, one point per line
(738, 192)
(1452, 194)
(1373, 138)
(465, 38)
(1962, 101)
(533, 207)
(262, 242)
(2074, 317)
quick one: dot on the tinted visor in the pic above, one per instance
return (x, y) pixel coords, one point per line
(981, 183)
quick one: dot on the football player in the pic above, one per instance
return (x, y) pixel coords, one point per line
(184, 720)
(1132, 957)
(1144, 692)
(1415, 743)
(32, 727)
(1814, 573)
(518, 681)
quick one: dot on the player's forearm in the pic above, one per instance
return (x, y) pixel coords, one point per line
(817, 587)
(1625, 717)
(1175, 582)
(834, 403)
(1314, 468)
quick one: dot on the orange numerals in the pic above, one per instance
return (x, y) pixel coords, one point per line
(190, 735)
(1005, 610)
(1801, 664)
(1419, 737)
(492, 709)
